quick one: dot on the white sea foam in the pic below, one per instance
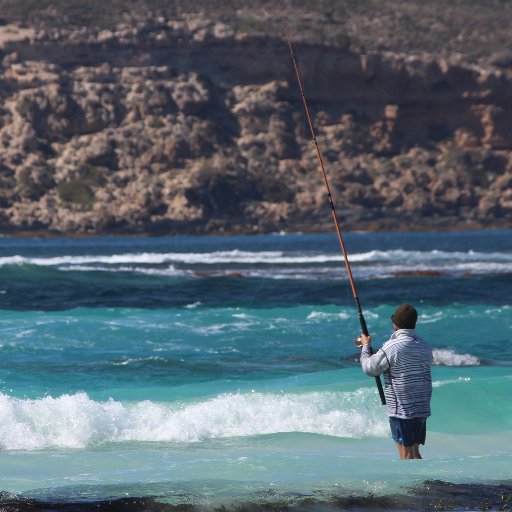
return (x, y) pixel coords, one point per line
(429, 256)
(218, 257)
(76, 421)
(193, 305)
(465, 259)
(278, 264)
(441, 383)
(129, 361)
(169, 271)
(447, 357)
(320, 315)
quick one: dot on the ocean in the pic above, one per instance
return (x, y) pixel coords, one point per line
(202, 373)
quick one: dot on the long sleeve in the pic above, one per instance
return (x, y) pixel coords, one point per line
(373, 364)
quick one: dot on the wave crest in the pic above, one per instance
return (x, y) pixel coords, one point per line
(265, 257)
(76, 421)
(447, 357)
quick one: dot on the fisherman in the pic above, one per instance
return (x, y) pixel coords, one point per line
(405, 360)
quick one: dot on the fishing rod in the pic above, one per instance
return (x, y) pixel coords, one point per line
(362, 321)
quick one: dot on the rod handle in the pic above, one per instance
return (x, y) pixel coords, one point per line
(364, 330)
(381, 390)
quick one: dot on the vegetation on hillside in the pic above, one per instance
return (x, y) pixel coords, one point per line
(476, 30)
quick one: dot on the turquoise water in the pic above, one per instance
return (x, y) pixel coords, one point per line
(209, 370)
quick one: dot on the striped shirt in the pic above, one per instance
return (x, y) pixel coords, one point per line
(405, 359)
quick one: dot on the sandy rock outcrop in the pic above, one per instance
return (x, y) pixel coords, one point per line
(188, 127)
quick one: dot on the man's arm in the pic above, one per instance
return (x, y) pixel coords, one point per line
(372, 364)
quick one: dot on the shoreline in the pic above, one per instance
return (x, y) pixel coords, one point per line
(447, 225)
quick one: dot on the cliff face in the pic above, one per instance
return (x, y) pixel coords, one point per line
(186, 127)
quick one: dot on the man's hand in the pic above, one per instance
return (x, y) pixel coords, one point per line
(363, 340)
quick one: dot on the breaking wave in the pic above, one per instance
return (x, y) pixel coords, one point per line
(469, 260)
(77, 421)
(447, 357)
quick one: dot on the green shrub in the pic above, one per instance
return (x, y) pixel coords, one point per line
(92, 175)
(76, 192)
(25, 178)
(251, 26)
(27, 187)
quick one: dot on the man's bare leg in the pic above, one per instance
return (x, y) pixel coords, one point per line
(405, 452)
(409, 452)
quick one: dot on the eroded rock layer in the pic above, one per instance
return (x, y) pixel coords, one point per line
(187, 127)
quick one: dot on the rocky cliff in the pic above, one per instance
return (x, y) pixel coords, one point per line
(189, 126)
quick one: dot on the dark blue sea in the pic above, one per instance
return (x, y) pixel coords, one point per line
(206, 373)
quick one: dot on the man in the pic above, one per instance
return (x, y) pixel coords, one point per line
(405, 359)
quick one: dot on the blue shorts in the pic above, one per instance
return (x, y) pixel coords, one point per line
(408, 432)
